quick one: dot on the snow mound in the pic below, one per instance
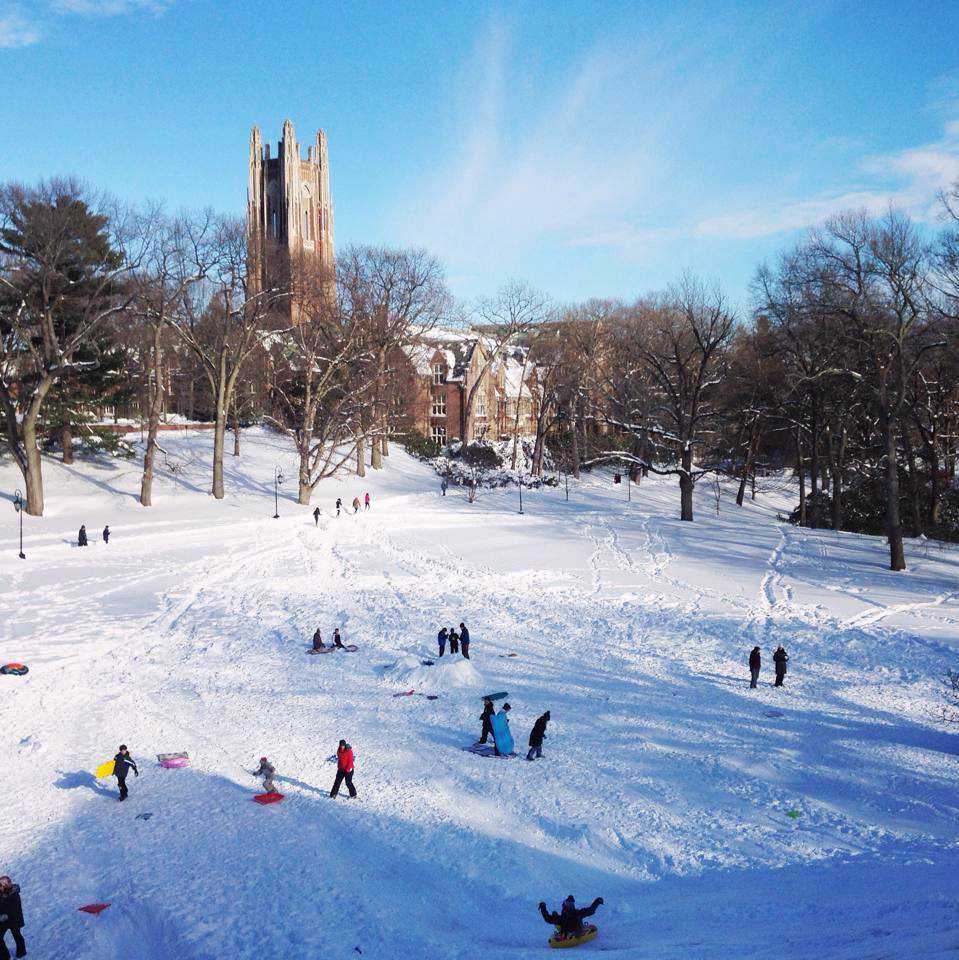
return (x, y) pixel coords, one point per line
(447, 673)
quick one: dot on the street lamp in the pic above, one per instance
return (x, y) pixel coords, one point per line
(521, 498)
(18, 506)
(277, 480)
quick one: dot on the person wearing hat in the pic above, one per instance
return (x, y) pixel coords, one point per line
(11, 918)
(344, 769)
(755, 663)
(485, 718)
(570, 918)
(122, 764)
(780, 658)
(504, 713)
(82, 536)
(268, 772)
(537, 736)
(464, 641)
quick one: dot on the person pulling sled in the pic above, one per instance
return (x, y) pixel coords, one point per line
(570, 929)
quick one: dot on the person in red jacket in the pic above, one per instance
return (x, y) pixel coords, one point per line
(344, 769)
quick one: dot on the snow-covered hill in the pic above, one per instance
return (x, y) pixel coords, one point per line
(666, 785)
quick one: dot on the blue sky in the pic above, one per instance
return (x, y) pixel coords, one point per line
(592, 149)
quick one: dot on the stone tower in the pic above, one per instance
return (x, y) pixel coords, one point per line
(289, 208)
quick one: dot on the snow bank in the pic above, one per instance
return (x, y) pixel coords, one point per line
(447, 673)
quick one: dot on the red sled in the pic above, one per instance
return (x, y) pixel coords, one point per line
(95, 908)
(265, 798)
(407, 693)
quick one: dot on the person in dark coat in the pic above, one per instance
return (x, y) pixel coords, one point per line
(780, 658)
(454, 640)
(318, 640)
(11, 918)
(441, 638)
(570, 918)
(82, 536)
(443, 487)
(486, 719)
(316, 516)
(339, 505)
(755, 662)
(464, 641)
(122, 764)
(537, 736)
(344, 769)
(337, 639)
(106, 534)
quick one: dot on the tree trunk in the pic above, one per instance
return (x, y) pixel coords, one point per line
(384, 443)
(897, 557)
(360, 458)
(156, 405)
(686, 484)
(219, 437)
(376, 460)
(236, 431)
(575, 452)
(32, 475)
(916, 513)
(935, 491)
(814, 454)
(66, 442)
(801, 471)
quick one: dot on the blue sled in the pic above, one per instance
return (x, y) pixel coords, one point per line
(501, 735)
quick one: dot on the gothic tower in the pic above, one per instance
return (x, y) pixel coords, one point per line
(289, 208)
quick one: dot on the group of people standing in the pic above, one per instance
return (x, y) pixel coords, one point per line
(458, 642)
(83, 540)
(780, 659)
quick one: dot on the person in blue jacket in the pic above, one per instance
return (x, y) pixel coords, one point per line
(464, 641)
(441, 640)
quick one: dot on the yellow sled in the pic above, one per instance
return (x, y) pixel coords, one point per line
(560, 942)
(104, 770)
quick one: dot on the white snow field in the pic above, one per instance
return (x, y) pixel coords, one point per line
(666, 784)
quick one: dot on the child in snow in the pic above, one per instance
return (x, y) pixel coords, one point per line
(366, 500)
(268, 772)
(318, 640)
(780, 658)
(537, 736)
(504, 713)
(356, 504)
(464, 641)
(122, 764)
(82, 536)
(344, 769)
(441, 638)
(316, 516)
(337, 639)
(443, 486)
(454, 638)
(570, 918)
(11, 917)
(106, 534)
(755, 663)
(485, 719)
(339, 505)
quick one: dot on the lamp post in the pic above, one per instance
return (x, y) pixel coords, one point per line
(521, 498)
(277, 480)
(18, 506)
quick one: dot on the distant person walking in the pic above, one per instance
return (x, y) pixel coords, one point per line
(316, 516)
(464, 641)
(339, 505)
(356, 504)
(780, 658)
(486, 718)
(82, 536)
(268, 772)
(122, 764)
(441, 639)
(443, 486)
(344, 769)
(537, 736)
(366, 500)
(11, 918)
(106, 534)
(454, 641)
(755, 663)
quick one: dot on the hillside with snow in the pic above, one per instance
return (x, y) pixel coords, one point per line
(814, 821)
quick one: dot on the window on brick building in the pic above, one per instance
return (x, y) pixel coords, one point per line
(480, 405)
(438, 406)
(438, 433)
(439, 373)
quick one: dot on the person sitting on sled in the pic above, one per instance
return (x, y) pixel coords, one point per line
(318, 640)
(569, 921)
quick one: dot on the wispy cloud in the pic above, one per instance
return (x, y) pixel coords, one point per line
(110, 8)
(16, 30)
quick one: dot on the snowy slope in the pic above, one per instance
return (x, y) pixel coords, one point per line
(666, 782)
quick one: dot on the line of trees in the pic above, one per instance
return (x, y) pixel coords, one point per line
(846, 371)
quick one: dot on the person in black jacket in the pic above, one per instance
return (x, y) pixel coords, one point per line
(570, 918)
(82, 536)
(780, 658)
(464, 641)
(316, 516)
(755, 662)
(454, 639)
(11, 918)
(122, 763)
(537, 736)
(486, 718)
(106, 534)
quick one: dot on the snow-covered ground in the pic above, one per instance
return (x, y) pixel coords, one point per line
(666, 784)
